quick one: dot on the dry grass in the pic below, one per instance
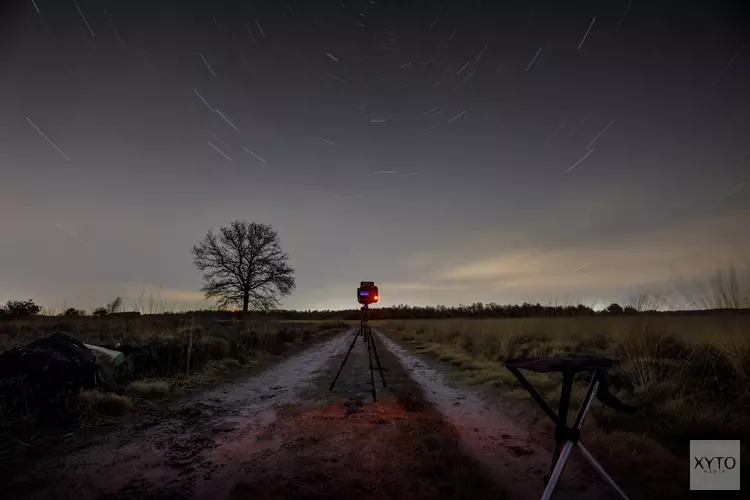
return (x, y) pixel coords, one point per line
(103, 403)
(690, 376)
(145, 388)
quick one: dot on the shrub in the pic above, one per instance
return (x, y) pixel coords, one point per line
(614, 309)
(100, 311)
(20, 309)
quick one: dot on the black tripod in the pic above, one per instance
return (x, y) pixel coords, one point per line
(366, 332)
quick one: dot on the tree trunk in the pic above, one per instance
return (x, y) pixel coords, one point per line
(245, 301)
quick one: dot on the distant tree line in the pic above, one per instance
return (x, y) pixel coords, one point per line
(24, 308)
(492, 310)
(476, 310)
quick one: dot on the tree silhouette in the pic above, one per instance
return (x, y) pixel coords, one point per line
(244, 265)
(21, 309)
(73, 312)
(614, 309)
(114, 306)
(99, 311)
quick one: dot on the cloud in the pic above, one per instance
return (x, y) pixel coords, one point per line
(692, 250)
(420, 287)
(149, 293)
(183, 295)
(510, 266)
(419, 261)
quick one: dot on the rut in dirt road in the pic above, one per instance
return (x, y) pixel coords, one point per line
(492, 437)
(187, 453)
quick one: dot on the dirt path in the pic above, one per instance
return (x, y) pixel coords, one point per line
(282, 434)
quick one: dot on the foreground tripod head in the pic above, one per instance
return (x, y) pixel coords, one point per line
(367, 293)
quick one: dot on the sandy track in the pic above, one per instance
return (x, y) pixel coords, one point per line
(282, 434)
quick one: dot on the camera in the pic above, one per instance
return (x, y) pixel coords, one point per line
(367, 293)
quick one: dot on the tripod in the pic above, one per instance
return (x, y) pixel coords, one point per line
(366, 332)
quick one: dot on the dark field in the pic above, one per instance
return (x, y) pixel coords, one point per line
(210, 408)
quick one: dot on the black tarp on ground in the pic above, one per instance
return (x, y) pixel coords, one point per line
(42, 374)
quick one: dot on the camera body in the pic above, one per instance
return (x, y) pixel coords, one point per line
(367, 293)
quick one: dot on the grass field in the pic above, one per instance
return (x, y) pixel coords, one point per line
(689, 376)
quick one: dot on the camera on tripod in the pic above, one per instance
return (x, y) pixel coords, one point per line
(367, 293)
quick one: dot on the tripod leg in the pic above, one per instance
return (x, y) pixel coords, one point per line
(601, 470)
(354, 341)
(557, 472)
(561, 423)
(555, 456)
(363, 324)
(368, 341)
(377, 358)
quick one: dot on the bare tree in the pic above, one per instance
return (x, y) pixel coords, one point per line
(244, 264)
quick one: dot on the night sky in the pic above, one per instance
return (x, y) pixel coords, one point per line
(450, 151)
